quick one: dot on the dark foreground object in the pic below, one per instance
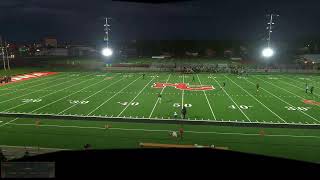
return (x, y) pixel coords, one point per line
(155, 163)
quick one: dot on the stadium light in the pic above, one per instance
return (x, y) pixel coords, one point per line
(267, 52)
(107, 52)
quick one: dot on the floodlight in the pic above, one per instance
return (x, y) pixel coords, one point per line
(107, 52)
(267, 52)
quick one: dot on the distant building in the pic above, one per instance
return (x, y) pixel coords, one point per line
(80, 50)
(49, 42)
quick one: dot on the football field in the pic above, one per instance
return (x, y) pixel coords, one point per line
(280, 99)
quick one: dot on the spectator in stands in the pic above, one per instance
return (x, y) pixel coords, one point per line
(87, 146)
(2, 157)
(26, 154)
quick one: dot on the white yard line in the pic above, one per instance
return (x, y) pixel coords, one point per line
(204, 92)
(155, 105)
(256, 100)
(135, 97)
(68, 95)
(8, 122)
(42, 89)
(182, 96)
(289, 103)
(112, 97)
(273, 96)
(155, 130)
(233, 101)
(281, 88)
(295, 85)
(25, 82)
(92, 95)
(14, 91)
(48, 95)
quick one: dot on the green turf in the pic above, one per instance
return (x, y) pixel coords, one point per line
(279, 100)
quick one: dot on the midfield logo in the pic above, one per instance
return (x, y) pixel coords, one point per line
(183, 86)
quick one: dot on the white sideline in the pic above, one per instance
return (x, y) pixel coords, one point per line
(155, 130)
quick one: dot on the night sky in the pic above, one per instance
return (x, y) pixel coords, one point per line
(82, 20)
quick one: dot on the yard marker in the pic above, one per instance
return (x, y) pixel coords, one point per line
(256, 99)
(286, 101)
(232, 100)
(112, 96)
(135, 97)
(155, 105)
(207, 100)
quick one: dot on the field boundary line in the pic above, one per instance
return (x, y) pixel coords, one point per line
(135, 97)
(164, 130)
(207, 100)
(34, 147)
(155, 105)
(48, 94)
(112, 97)
(164, 121)
(232, 100)
(256, 99)
(291, 93)
(92, 95)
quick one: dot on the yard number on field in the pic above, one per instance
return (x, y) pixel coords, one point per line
(78, 102)
(179, 105)
(241, 106)
(126, 103)
(290, 108)
(31, 100)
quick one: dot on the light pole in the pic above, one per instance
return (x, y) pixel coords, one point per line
(268, 52)
(3, 58)
(106, 51)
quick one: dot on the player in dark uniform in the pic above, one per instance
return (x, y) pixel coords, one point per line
(223, 84)
(311, 90)
(258, 86)
(193, 79)
(143, 75)
(184, 112)
(159, 97)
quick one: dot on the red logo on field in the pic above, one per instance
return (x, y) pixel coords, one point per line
(312, 102)
(183, 86)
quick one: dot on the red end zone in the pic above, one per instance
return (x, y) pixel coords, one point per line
(24, 77)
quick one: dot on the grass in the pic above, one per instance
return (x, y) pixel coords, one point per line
(279, 100)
